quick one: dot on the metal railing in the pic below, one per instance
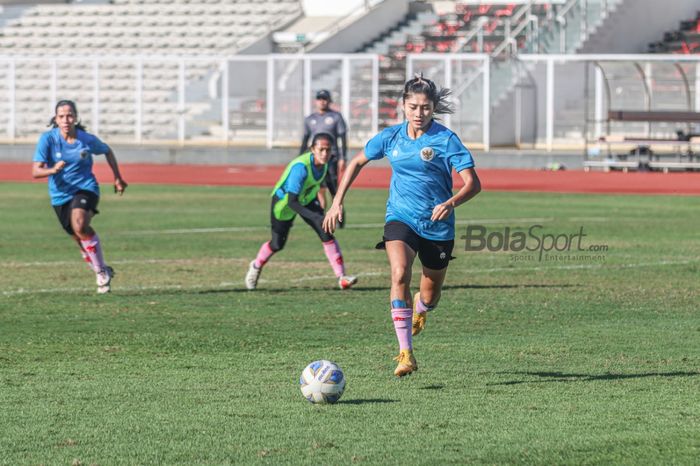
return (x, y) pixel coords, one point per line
(189, 100)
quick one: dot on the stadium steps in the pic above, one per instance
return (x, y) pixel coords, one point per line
(684, 40)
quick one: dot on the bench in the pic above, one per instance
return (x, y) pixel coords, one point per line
(681, 147)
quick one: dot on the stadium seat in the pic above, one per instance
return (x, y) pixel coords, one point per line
(685, 40)
(132, 27)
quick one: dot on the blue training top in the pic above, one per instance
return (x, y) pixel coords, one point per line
(77, 173)
(296, 177)
(422, 175)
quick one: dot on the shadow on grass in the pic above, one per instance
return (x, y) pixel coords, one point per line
(305, 290)
(564, 377)
(433, 387)
(503, 287)
(387, 287)
(366, 401)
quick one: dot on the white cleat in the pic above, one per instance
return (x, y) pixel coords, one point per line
(251, 278)
(104, 280)
(346, 282)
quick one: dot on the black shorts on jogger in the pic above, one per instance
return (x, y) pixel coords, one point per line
(86, 200)
(433, 254)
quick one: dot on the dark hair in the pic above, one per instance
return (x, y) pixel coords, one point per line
(322, 135)
(71, 104)
(439, 97)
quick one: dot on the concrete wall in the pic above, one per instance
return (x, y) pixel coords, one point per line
(497, 158)
(382, 17)
(636, 23)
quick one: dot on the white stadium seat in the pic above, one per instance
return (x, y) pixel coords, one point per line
(128, 28)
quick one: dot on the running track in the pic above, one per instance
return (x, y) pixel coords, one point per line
(378, 177)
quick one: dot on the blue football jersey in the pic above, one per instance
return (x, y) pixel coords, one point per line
(421, 175)
(77, 174)
(297, 177)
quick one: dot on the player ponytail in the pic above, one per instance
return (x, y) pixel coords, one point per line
(74, 108)
(440, 97)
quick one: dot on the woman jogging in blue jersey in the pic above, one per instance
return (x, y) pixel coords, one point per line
(420, 210)
(64, 155)
(296, 193)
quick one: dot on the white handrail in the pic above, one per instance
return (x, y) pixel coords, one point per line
(511, 37)
(462, 41)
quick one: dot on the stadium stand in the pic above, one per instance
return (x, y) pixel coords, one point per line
(128, 28)
(480, 28)
(685, 40)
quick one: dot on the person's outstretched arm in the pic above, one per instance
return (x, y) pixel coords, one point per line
(335, 213)
(119, 183)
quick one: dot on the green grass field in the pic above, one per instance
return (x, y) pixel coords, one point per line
(593, 360)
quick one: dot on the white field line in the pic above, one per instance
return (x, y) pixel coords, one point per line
(353, 226)
(228, 285)
(124, 261)
(243, 229)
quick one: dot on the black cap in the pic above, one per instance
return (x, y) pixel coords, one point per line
(323, 94)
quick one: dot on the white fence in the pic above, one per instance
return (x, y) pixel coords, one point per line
(565, 99)
(188, 100)
(544, 101)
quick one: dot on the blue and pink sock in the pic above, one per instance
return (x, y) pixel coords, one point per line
(401, 314)
(421, 307)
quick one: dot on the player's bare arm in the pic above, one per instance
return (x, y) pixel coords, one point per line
(40, 170)
(335, 213)
(119, 183)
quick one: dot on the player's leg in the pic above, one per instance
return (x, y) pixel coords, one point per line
(83, 208)
(401, 245)
(280, 233)
(427, 298)
(435, 257)
(83, 252)
(63, 213)
(330, 247)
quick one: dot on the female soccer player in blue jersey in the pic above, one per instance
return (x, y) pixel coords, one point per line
(420, 211)
(296, 193)
(64, 155)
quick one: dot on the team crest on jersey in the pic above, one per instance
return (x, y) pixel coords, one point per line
(328, 120)
(395, 153)
(312, 122)
(58, 155)
(427, 154)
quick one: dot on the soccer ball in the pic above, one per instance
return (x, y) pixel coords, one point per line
(322, 382)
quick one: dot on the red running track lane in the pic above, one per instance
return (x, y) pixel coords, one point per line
(378, 177)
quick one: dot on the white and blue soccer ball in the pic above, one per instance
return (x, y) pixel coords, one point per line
(322, 382)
